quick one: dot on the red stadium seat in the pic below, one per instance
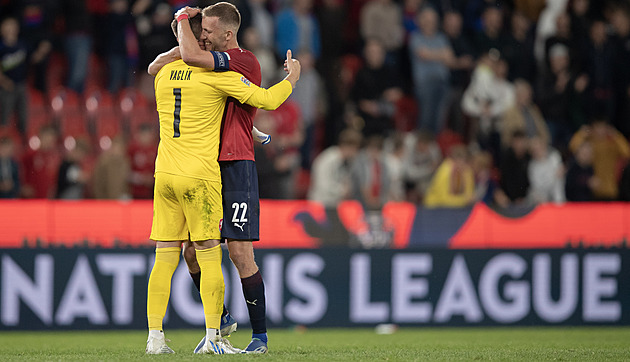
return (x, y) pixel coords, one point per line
(406, 116)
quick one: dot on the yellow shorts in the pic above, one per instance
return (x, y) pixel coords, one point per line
(183, 205)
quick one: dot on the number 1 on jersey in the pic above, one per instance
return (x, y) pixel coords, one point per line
(177, 92)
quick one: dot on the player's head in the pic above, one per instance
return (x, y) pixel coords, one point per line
(195, 25)
(221, 22)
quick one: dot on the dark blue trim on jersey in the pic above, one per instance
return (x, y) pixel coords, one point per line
(221, 61)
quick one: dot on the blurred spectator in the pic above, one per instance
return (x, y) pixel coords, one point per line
(545, 173)
(485, 180)
(461, 66)
(73, 176)
(519, 49)
(564, 37)
(37, 18)
(524, 116)
(281, 158)
(599, 67)
(297, 29)
(430, 54)
(620, 20)
(309, 96)
(262, 21)
(41, 164)
(330, 176)
(394, 148)
(422, 157)
(9, 170)
(332, 17)
(410, 10)
(513, 168)
(579, 14)
(486, 99)
(546, 27)
(112, 172)
(265, 56)
(558, 90)
(118, 21)
(142, 153)
(491, 35)
(376, 90)
(13, 72)
(371, 175)
(382, 20)
(453, 184)
(78, 41)
(580, 179)
(610, 150)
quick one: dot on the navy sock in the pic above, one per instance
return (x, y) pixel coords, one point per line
(196, 277)
(254, 292)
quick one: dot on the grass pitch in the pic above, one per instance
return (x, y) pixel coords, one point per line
(407, 344)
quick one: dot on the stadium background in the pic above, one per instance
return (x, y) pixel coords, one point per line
(380, 253)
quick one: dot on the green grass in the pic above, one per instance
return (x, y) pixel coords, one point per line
(407, 344)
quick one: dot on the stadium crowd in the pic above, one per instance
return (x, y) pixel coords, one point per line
(438, 102)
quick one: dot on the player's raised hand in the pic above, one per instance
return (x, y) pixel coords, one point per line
(293, 67)
(191, 12)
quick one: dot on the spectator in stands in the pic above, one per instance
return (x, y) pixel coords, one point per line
(310, 99)
(112, 172)
(430, 54)
(376, 90)
(37, 18)
(41, 164)
(298, 29)
(262, 22)
(118, 21)
(422, 158)
(486, 99)
(78, 41)
(9, 170)
(73, 177)
(545, 172)
(461, 65)
(382, 20)
(519, 49)
(491, 35)
(142, 154)
(564, 37)
(620, 21)
(394, 147)
(13, 72)
(524, 116)
(598, 65)
(485, 179)
(266, 57)
(610, 149)
(514, 181)
(371, 175)
(330, 176)
(558, 91)
(580, 181)
(580, 20)
(453, 184)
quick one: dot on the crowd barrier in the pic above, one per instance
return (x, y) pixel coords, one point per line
(106, 288)
(307, 225)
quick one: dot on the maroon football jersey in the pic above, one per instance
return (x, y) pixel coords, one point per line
(238, 119)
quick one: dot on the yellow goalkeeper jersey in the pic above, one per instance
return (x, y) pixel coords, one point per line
(190, 104)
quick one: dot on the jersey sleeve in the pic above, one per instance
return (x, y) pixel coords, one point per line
(242, 89)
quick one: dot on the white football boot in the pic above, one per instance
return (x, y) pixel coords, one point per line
(156, 343)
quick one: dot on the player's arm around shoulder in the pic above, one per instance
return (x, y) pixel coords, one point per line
(161, 60)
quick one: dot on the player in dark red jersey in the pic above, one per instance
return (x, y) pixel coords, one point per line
(236, 154)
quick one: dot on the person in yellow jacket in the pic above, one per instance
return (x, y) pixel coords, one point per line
(453, 184)
(610, 150)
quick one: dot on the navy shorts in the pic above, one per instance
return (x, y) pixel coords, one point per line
(241, 206)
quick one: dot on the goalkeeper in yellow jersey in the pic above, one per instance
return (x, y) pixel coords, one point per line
(187, 201)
